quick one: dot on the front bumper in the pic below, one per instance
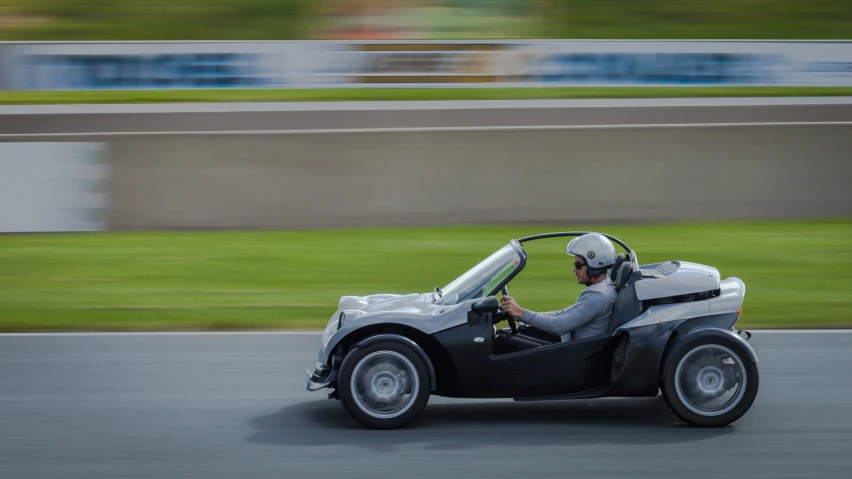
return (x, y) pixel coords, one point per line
(322, 377)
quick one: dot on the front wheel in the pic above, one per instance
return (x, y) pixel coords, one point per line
(383, 386)
(710, 382)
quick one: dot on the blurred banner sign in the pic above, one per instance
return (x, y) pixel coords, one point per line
(189, 70)
(417, 63)
(332, 64)
(98, 66)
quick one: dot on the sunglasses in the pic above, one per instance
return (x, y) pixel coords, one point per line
(579, 264)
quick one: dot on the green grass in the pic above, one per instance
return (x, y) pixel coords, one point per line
(798, 273)
(257, 95)
(65, 20)
(70, 20)
(693, 19)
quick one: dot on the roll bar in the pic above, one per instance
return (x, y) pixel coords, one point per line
(632, 253)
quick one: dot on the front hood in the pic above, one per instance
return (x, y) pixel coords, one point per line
(413, 310)
(389, 303)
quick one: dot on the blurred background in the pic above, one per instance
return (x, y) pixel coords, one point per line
(748, 180)
(422, 19)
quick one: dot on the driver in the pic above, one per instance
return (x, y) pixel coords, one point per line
(589, 317)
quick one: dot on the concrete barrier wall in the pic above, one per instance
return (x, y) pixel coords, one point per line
(344, 179)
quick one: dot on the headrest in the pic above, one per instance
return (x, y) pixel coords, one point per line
(619, 258)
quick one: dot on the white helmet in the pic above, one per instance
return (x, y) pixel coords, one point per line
(596, 249)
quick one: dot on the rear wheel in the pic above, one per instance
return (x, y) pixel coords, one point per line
(383, 386)
(710, 381)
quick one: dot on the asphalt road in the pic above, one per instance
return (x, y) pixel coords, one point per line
(98, 120)
(234, 406)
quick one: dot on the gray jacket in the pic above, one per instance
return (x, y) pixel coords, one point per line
(589, 317)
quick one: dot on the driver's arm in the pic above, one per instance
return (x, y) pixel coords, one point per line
(588, 307)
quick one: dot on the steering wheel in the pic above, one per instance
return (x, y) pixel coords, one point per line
(510, 319)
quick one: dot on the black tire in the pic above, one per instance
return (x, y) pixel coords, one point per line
(383, 358)
(678, 393)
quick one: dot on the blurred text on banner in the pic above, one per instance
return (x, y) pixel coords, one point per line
(324, 64)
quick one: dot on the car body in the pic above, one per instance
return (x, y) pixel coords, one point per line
(672, 329)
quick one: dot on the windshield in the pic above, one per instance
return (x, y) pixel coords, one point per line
(482, 278)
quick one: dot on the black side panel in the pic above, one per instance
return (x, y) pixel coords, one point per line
(563, 368)
(640, 375)
(471, 359)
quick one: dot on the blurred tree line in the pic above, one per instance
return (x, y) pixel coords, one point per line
(423, 19)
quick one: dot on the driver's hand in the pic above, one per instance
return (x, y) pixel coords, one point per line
(511, 308)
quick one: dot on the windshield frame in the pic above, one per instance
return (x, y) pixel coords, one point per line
(519, 250)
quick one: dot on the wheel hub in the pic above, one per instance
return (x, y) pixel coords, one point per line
(386, 385)
(710, 380)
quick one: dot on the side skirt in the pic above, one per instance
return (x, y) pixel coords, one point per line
(595, 392)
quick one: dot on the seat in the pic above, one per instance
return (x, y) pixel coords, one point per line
(623, 275)
(627, 305)
(613, 272)
(620, 271)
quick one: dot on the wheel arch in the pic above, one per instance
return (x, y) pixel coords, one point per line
(705, 331)
(434, 355)
(648, 348)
